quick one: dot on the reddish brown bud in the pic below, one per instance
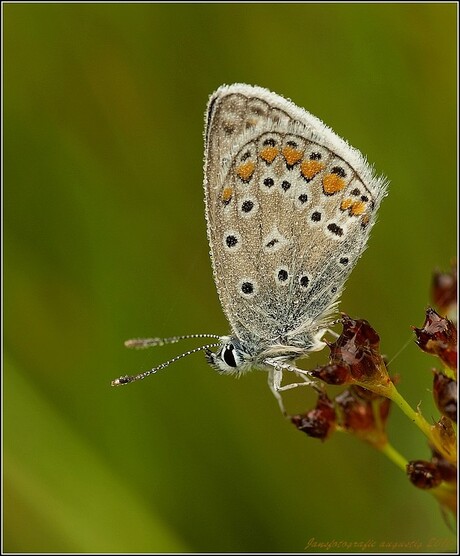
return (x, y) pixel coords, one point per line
(355, 414)
(375, 401)
(445, 395)
(318, 422)
(363, 413)
(357, 410)
(423, 474)
(438, 337)
(355, 358)
(357, 347)
(333, 374)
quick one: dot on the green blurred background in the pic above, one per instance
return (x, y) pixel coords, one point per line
(104, 240)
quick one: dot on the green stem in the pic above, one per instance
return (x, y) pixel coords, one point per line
(416, 418)
(445, 493)
(394, 456)
(413, 415)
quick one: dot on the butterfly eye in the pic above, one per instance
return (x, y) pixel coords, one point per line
(228, 356)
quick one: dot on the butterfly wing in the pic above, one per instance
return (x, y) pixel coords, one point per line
(289, 208)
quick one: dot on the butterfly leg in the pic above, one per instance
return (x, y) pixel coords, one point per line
(274, 382)
(275, 377)
(280, 366)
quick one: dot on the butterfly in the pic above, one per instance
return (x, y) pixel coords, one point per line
(289, 208)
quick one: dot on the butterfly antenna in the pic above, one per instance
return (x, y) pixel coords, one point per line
(145, 343)
(128, 379)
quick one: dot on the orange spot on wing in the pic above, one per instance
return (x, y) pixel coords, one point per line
(358, 208)
(227, 194)
(333, 183)
(346, 204)
(292, 155)
(364, 221)
(246, 170)
(269, 154)
(310, 168)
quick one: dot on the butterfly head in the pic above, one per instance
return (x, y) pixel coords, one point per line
(230, 358)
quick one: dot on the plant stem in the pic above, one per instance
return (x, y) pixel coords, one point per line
(445, 493)
(393, 455)
(419, 420)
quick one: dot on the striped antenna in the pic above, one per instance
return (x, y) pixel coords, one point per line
(128, 379)
(145, 343)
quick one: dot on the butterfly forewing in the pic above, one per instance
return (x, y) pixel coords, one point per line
(289, 208)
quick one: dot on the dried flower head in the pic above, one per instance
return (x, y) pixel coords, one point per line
(318, 422)
(438, 336)
(424, 474)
